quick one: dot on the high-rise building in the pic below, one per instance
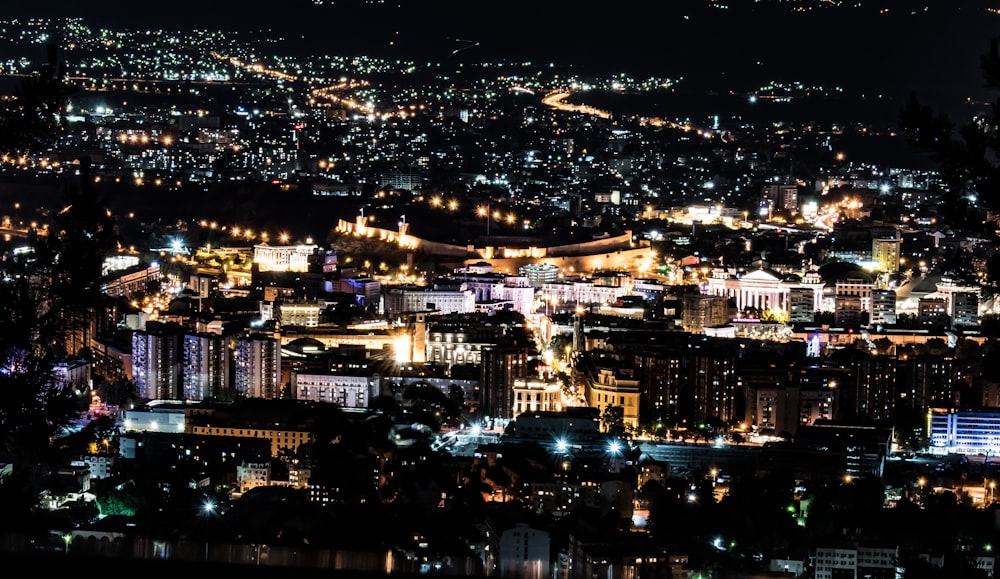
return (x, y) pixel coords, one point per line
(885, 252)
(206, 372)
(257, 367)
(501, 366)
(883, 307)
(155, 361)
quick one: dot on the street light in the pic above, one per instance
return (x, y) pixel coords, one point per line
(485, 212)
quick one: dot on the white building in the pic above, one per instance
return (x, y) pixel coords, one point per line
(525, 553)
(294, 258)
(299, 314)
(765, 290)
(449, 299)
(830, 562)
(535, 394)
(344, 391)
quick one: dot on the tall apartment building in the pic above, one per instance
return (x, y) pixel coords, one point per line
(155, 361)
(883, 307)
(501, 367)
(257, 366)
(885, 252)
(206, 360)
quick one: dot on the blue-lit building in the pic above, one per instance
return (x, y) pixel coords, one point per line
(964, 431)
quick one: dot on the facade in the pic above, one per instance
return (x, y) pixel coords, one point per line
(446, 300)
(299, 314)
(855, 561)
(282, 440)
(500, 368)
(250, 475)
(536, 394)
(367, 291)
(965, 431)
(885, 252)
(852, 299)
(287, 258)
(257, 367)
(703, 311)
(206, 360)
(765, 290)
(964, 309)
(883, 307)
(539, 274)
(932, 311)
(155, 356)
(525, 553)
(584, 292)
(614, 389)
(127, 284)
(344, 391)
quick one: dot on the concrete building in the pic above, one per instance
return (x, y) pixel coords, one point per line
(155, 361)
(205, 366)
(344, 391)
(257, 366)
(885, 252)
(536, 394)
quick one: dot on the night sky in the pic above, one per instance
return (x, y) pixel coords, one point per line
(934, 52)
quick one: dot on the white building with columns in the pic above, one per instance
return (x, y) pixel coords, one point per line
(766, 290)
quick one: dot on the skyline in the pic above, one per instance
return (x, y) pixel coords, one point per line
(893, 52)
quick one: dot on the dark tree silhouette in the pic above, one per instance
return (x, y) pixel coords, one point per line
(71, 256)
(965, 153)
(43, 293)
(31, 117)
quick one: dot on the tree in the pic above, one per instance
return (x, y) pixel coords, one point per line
(30, 119)
(71, 257)
(41, 292)
(966, 154)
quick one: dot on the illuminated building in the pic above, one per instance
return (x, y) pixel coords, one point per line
(615, 388)
(852, 298)
(539, 274)
(257, 367)
(764, 290)
(344, 391)
(536, 394)
(299, 314)
(501, 367)
(155, 356)
(964, 431)
(206, 359)
(883, 307)
(855, 561)
(704, 311)
(286, 258)
(446, 299)
(885, 252)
